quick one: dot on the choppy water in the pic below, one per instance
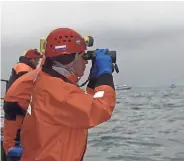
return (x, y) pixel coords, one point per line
(147, 125)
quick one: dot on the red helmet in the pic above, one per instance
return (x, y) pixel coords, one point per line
(32, 53)
(64, 41)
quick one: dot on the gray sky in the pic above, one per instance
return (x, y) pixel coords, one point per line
(148, 36)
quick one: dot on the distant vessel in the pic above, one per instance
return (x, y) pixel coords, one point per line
(123, 87)
(173, 86)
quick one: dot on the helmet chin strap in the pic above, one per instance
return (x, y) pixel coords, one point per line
(66, 70)
(73, 69)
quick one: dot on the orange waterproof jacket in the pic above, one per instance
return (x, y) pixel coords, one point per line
(55, 127)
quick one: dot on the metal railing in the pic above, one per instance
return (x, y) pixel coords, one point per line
(4, 80)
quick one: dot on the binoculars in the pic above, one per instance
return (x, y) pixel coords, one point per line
(90, 55)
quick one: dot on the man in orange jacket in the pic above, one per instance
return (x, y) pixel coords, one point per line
(26, 63)
(14, 114)
(55, 127)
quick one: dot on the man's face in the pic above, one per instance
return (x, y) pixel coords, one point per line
(80, 65)
(35, 61)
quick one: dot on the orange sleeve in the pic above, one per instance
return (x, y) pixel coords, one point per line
(21, 90)
(80, 110)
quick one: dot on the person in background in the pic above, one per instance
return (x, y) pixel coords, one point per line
(13, 113)
(26, 63)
